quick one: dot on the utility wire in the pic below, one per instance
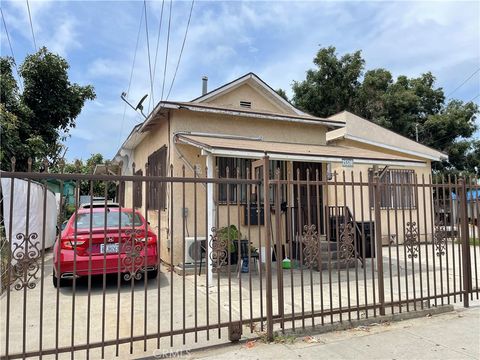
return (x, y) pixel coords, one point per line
(152, 96)
(31, 26)
(11, 51)
(166, 51)
(181, 51)
(131, 76)
(152, 100)
(464, 82)
(474, 98)
(158, 41)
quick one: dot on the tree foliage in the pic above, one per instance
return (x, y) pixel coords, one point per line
(404, 105)
(96, 188)
(35, 122)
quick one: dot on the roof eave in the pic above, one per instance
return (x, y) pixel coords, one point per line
(258, 115)
(440, 157)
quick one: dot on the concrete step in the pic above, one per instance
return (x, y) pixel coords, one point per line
(324, 245)
(342, 264)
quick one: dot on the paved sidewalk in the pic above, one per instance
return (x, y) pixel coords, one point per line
(454, 335)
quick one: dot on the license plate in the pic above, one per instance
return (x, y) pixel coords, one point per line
(108, 248)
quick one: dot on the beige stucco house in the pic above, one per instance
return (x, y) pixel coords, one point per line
(234, 126)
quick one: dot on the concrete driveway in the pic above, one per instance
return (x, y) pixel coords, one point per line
(128, 309)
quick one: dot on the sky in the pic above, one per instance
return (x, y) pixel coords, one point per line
(225, 40)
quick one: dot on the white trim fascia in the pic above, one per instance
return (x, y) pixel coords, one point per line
(244, 78)
(132, 140)
(286, 118)
(225, 136)
(394, 148)
(292, 157)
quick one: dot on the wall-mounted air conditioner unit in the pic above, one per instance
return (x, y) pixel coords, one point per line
(194, 251)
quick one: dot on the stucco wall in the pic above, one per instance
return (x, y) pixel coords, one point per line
(153, 141)
(194, 122)
(392, 222)
(188, 156)
(246, 93)
(271, 130)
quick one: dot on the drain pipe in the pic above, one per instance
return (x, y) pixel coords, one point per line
(181, 156)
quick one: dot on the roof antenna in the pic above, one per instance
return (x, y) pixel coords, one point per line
(139, 105)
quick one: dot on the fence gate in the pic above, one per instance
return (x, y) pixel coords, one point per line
(166, 260)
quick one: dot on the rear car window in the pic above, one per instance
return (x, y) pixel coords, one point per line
(114, 219)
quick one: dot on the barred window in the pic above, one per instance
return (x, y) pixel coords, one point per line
(233, 164)
(243, 165)
(397, 190)
(137, 190)
(157, 166)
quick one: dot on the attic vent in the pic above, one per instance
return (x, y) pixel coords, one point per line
(246, 104)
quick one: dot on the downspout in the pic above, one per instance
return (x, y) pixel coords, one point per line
(182, 157)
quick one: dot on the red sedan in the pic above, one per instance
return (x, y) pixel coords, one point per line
(105, 240)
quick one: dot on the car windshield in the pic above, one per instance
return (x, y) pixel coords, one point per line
(114, 218)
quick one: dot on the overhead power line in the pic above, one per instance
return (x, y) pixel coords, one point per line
(166, 51)
(11, 50)
(31, 26)
(464, 82)
(181, 51)
(131, 74)
(158, 41)
(152, 96)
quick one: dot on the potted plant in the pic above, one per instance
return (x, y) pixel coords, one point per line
(231, 235)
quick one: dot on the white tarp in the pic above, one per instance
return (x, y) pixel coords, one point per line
(19, 218)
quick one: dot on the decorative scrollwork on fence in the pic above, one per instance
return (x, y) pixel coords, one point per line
(411, 240)
(440, 239)
(133, 260)
(219, 252)
(311, 241)
(347, 248)
(25, 256)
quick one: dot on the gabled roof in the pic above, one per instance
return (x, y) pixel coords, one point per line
(254, 81)
(259, 114)
(367, 132)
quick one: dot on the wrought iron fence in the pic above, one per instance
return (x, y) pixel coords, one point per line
(302, 250)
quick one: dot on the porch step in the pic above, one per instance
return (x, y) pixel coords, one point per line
(342, 264)
(324, 245)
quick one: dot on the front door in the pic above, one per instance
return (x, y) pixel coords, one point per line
(308, 207)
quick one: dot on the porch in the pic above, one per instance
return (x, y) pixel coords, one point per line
(314, 185)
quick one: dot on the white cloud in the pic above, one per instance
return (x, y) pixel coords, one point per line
(276, 40)
(64, 37)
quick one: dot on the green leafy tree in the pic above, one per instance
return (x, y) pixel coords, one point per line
(405, 105)
(79, 166)
(35, 122)
(332, 86)
(282, 93)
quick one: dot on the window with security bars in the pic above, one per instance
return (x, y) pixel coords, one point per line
(157, 166)
(137, 190)
(397, 189)
(242, 165)
(234, 165)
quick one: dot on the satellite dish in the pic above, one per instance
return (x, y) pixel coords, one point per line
(139, 105)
